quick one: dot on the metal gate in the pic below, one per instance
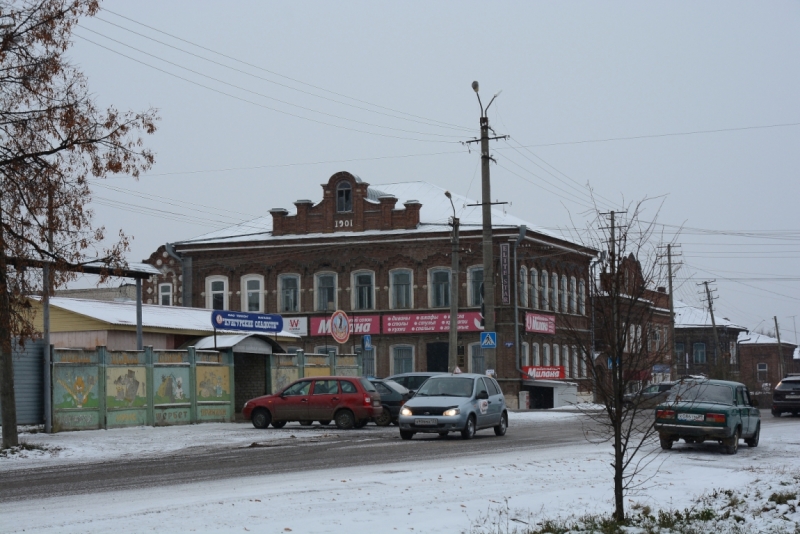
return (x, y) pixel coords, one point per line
(28, 362)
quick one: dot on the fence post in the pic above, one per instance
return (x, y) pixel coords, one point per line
(148, 362)
(102, 363)
(332, 361)
(360, 361)
(301, 364)
(232, 405)
(193, 385)
(268, 378)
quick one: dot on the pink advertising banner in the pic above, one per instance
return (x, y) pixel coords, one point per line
(414, 323)
(543, 373)
(539, 323)
(359, 325)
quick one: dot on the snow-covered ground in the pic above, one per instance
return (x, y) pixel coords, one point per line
(423, 496)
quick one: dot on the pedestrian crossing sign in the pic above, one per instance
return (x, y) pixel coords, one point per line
(488, 340)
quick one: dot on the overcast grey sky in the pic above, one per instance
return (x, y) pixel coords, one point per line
(289, 93)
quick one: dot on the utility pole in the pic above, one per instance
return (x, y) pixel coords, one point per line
(452, 352)
(488, 248)
(671, 344)
(713, 322)
(781, 366)
(47, 287)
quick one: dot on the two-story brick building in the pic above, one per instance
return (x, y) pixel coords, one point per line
(382, 254)
(763, 361)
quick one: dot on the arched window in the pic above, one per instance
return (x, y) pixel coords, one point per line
(439, 284)
(523, 287)
(545, 293)
(534, 288)
(546, 355)
(325, 291)
(537, 357)
(525, 355)
(563, 294)
(289, 291)
(344, 197)
(575, 361)
(252, 293)
(474, 283)
(364, 290)
(217, 292)
(554, 292)
(566, 362)
(582, 298)
(556, 355)
(583, 364)
(165, 294)
(400, 282)
(573, 290)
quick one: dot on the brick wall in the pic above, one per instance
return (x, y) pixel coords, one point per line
(250, 372)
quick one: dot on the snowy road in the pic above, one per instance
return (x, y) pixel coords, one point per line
(109, 460)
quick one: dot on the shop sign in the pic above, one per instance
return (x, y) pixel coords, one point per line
(505, 282)
(425, 323)
(537, 372)
(359, 325)
(540, 323)
(296, 325)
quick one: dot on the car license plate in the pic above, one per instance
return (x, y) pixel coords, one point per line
(792, 397)
(425, 422)
(690, 417)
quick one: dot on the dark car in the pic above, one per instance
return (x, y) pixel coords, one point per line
(412, 381)
(393, 397)
(786, 396)
(649, 396)
(348, 400)
(700, 410)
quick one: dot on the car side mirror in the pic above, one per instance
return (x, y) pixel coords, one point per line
(482, 395)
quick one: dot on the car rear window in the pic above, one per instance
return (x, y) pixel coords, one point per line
(347, 386)
(395, 386)
(701, 392)
(367, 384)
(789, 385)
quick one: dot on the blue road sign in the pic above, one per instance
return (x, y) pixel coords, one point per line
(366, 342)
(249, 322)
(488, 340)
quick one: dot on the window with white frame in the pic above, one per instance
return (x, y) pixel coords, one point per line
(400, 282)
(477, 359)
(546, 355)
(475, 281)
(566, 362)
(402, 359)
(582, 298)
(252, 293)
(165, 294)
(575, 361)
(545, 292)
(344, 197)
(573, 294)
(525, 354)
(534, 288)
(217, 292)
(583, 364)
(699, 352)
(325, 291)
(537, 356)
(289, 292)
(563, 294)
(440, 288)
(761, 372)
(364, 294)
(554, 292)
(556, 355)
(732, 348)
(522, 290)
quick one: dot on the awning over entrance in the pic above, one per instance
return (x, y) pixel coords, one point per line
(240, 343)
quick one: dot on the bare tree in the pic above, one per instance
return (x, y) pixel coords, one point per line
(630, 317)
(53, 139)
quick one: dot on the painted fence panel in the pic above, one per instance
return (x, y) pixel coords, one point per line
(77, 390)
(172, 387)
(126, 388)
(214, 379)
(286, 368)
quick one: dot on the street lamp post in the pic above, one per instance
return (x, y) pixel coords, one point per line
(452, 354)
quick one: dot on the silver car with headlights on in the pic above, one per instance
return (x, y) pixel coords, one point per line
(462, 403)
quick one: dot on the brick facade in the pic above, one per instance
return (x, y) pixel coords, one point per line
(376, 237)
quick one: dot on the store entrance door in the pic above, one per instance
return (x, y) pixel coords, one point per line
(437, 357)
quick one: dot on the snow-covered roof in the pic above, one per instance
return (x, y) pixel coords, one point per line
(687, 316)
(754, 338)
(153, 316)
(227, 341)
(434, 216)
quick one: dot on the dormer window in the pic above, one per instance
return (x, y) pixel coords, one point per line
(344, 198)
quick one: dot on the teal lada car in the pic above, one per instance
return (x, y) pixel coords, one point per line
(700, 410)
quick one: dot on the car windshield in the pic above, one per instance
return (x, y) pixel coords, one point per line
(446, 387)
(395, 386)
(789, 385)
(701, 392)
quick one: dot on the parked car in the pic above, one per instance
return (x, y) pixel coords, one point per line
(462, 403)
(786, 396)
(412, 381)
(700, 410)
(649, 396)
(349, 401)
(393, 396)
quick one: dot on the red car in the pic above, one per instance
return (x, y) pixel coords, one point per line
(348, 400)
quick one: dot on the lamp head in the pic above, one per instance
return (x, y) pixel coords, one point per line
(475, 86)
(448, 195)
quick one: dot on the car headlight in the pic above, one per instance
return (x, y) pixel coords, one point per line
(245, 405)
(406, 411)
(451, 412)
